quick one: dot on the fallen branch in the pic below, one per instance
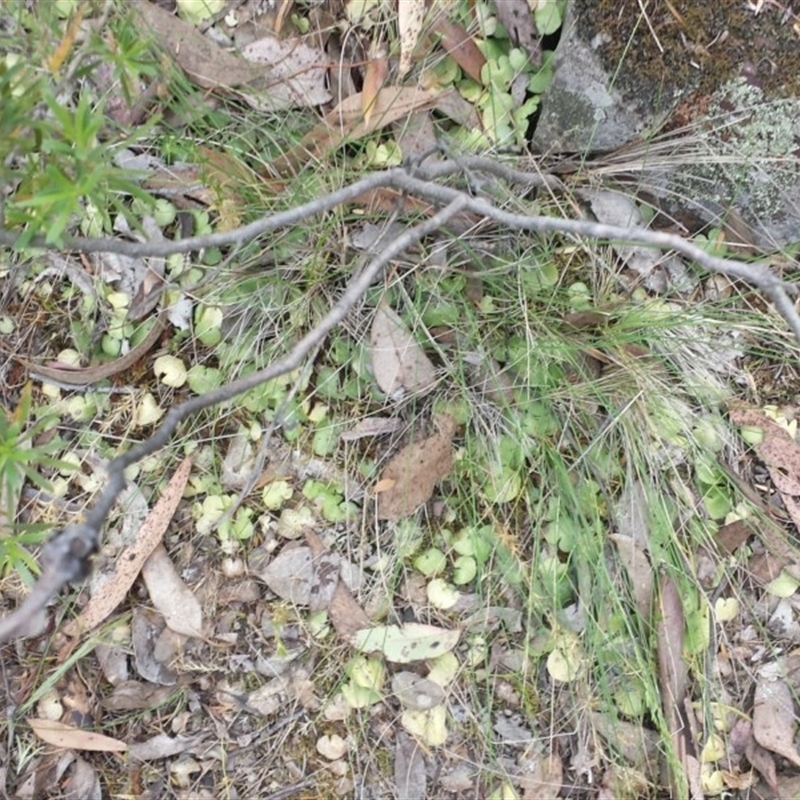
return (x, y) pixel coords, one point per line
(66, 556)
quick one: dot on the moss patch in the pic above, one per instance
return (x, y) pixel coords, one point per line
(704, 46)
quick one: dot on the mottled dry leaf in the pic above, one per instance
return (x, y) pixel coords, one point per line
(517, 18)
(773, 719)
(410, 14)
(296, 73)
(410, 772)
(398, 362)
(302, 579)
(136, 695)
(152, 663)
(60, 735)
(779, 452)
(84, 782)
(163, 746)
(416, 470)
(171, 596)
(371, 426)
(345, 614)
(131, 559)
(542, 777)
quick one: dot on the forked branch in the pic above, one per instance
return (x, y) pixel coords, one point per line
(66, 556)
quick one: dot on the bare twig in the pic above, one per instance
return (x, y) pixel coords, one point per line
(66, 555)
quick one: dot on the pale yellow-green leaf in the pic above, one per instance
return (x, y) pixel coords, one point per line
(170, 370)
(148, 412)
(441, 594)
(369, 673)
(403, 644)
(782, 586)
(275, 494)
(430, 726)
(196, 11)
(360, 696)
(726, 609)
(443, 669)
(714, 749)
(566, 661)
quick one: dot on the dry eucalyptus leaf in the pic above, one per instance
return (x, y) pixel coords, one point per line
(398, 362)
(773, 719)
(130, 561)
(416, 470)
(207, 64)
(171, 596)
(410, 14)
(60, 735)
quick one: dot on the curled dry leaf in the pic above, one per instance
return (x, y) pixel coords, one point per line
(398, 362)
(411, 476)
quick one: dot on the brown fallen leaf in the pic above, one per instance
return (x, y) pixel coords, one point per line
(461, 47)
(516, 16)
(773, 718)
(374, 78)
(170, 595)
(347, 123)
(779, 452)
(204, 62)
(130, 561)
(345, 614)
(416, 470)
(398, 362)
(60, 735)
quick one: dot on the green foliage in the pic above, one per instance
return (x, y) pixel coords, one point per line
(56, 142)
(24, 451)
